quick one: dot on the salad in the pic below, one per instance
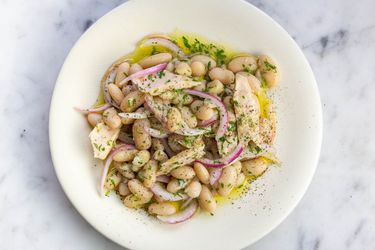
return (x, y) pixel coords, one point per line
(180, 123)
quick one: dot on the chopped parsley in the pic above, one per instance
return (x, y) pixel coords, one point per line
(232, 126)
(197, 46)
(131, 102)
(247, 69)
(186, 42)
(269, 66)
(161, 74)
(235, 103)
(209, 65)
(99, 147)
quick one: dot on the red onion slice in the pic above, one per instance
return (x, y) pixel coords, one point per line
(93, 110)
(156, 133)
(107, 96)
(144, 72)
(223, 111)
(223, 161)
(163, 178)
(215, 175)
(133, 115)
(162, 193)
(181, 216)
(186, 203)
(108, 162)
(165, 43)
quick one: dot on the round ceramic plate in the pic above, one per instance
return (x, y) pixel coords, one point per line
(244, 28)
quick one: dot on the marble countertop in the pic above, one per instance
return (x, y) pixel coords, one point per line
(338, 38)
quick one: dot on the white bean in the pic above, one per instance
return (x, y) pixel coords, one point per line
(133, 201)
(149, 173)
(136, 187)
(194, 189)
(227, 180)
(208, 62)
(238, 166)
(122, 72)
(157, 144)
(160, 155)
(215, 87)
(132, 101)
(201, 87)
(202, 173)
(223, 75)
(204, 112)
(198, 68)
(253, 82)
(184, 172)
(206, 200)
(125, 155)
(94, 118)
(243, 63)
(113, 179)
(182, 68)
(142, 139)
(162, 208)
(134, 68)
(141, 158)
(156, 59)
(176, 185)
(255, 166)
(240, 179)
(115, 93)
(111, 118)
(125, 169)
(268, 70)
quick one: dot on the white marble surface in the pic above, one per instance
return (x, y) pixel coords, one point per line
(338, 38)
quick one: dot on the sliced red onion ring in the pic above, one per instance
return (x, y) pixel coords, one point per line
(144, 72)
(165, 43)
(159, 190)
(156, 133)
(181, 216)
(93, 110)
(215, 175)
(107, 96)
(222, 129)
(163, 178)
(186, 203)
(108, 162)
(223, 161)
(167, 149)
(208, 122)
(134, 115)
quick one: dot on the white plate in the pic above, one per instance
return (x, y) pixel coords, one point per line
(237, 24)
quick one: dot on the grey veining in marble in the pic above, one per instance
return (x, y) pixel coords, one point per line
(338, 38)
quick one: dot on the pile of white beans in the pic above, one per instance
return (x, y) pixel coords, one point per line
(134, 171)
